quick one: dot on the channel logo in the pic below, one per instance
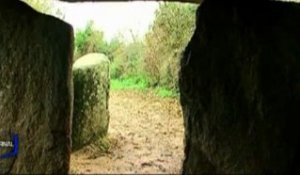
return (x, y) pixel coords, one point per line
(12, 145)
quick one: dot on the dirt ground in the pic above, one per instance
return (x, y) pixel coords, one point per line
(146, 134)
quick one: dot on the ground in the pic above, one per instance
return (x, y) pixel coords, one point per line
(146, 134)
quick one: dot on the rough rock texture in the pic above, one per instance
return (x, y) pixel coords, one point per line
(240, 88)
(91, 94)
(190, 1)
(35, 89)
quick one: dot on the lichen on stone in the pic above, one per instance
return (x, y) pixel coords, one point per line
(91, 93)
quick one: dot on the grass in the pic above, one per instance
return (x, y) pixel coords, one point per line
(164, 92)
(137, 83)
(129, 83)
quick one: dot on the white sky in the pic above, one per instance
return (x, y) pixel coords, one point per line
(111, 17)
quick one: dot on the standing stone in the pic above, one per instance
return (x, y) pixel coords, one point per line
(91, 94)
(240, 89)
(35, 89)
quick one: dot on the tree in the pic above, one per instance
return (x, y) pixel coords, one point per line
(172, 29)
(89, 40)
(126, 58)
(115, 47)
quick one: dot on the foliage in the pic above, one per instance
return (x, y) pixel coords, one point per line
(169, 34)
(89, 40)
(152, 62)
(155, 62)
(164, 92)
(115, 47)
(127, 60)
(138, 83)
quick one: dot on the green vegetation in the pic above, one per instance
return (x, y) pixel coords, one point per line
(145, 63)
(150, 63)
(164, 92)
(169, 34)
(89, 40)
(140, 83)
(129, 83)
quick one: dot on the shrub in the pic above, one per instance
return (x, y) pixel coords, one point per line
(172, 29)
(89, 40)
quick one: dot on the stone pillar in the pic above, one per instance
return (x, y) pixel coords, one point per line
(35, 89)
(240, 88)
(91, 95)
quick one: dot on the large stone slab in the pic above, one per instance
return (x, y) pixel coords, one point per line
(184, 1)
(240, 89)
(35, 89)
(91, 95)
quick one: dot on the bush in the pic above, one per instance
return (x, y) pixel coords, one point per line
(172, 29)
(89, 40)
(127, 60)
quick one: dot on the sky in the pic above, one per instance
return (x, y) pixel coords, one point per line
(111, 17)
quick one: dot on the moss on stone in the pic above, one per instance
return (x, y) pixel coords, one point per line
(91, 94)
